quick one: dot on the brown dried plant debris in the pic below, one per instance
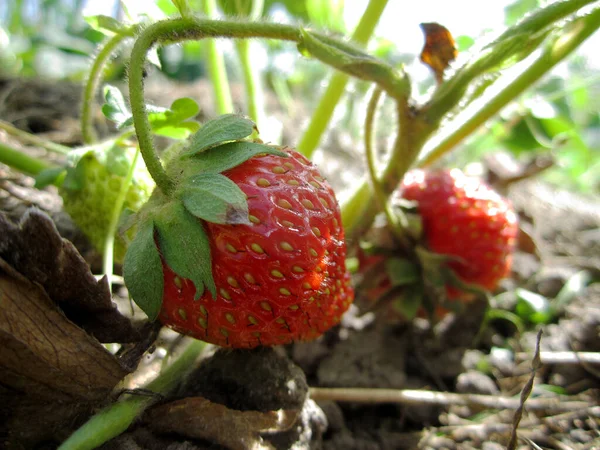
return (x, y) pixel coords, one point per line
(199, 418)
(51, 371)
(35, 249)
(439, 50)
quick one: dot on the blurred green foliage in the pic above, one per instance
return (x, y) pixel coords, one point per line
(50, 38)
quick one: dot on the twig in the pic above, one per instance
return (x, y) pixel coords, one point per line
(564, 357)
(420, 397)
(525, 393)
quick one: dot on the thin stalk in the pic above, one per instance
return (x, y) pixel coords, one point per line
(33, 139)
(381, 197)
(109, 240)
(581, 29)
(337, 83)
(216, 66)
(254, 92)
(91, 86)
(22, 162)
(116, 418)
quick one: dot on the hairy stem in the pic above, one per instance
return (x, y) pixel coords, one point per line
(116, 418)
(178, 30)
(93, 80)
(216, 66)
(337, 83)
(580, 30)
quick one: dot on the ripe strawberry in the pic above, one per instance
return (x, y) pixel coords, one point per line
(467, 220)
(265, 271)
(280, 278)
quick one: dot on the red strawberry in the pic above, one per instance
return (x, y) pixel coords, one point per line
(467, 220)
(280, 278)
(244, 247)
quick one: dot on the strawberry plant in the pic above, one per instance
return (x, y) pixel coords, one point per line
(243, 244)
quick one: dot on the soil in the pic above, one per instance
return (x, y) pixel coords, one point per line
(241, 390)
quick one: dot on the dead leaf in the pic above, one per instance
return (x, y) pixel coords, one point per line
(199, 418)
(36, 250)
(51, 371)
(439, 50)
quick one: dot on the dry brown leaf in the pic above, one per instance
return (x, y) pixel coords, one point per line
(51, 371)
(439, 49)
(36, 250)
(199, 418)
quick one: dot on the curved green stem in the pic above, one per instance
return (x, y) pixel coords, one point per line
(177, 30)
(216, 66)
(337, 83)
(93, 80)
(116, 418)
(380, 195)
(580, 29)
(21, 162)
(33, 139)
(109, 240)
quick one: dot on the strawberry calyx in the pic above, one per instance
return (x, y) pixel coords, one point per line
(171, 227)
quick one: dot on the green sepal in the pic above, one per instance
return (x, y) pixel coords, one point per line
(142, 271)
(115, 109)
(226, 156)
(215, 198)
(185, 246)
(411, 300)
(225, 128)
(49, 176)
(402, 271)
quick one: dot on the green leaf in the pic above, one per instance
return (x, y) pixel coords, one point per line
(115, 109)
(185, 247)
(402, 271)
(215, 198)
(49, 176)
(410, 302)
(171, 122)
(226, 156)
(533, 307)
(225, 128)
(105, 24)
(142, 270)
